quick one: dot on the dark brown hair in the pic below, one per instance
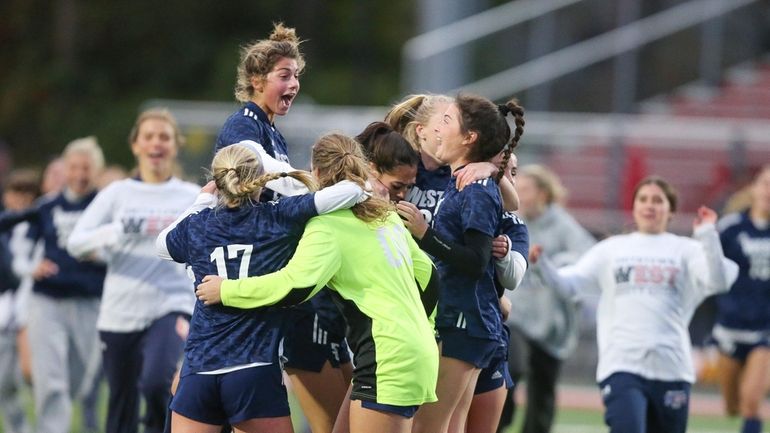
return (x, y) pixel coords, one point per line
(386, 148)
(488, 121)
(666, 187)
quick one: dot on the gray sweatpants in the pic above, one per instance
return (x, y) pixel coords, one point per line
(11, 405)
(65, 356)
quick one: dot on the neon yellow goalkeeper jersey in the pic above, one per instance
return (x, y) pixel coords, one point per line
(384, 285)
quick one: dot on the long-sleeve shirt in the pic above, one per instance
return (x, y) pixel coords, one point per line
(51, 220)
(649, 286)
(121, 224)
(381, 278)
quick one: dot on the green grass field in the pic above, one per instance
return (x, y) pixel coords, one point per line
(583, 421)
(567, 420)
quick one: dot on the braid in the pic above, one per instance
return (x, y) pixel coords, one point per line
(518, 119)
(302, 176)
(504, 164)
(517, 111)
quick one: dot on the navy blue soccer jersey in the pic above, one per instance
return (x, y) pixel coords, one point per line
(428, 189)
(251, 123)
(53, 222)
(252, 240)
(516, 230)
(747, 305)
(465, 302)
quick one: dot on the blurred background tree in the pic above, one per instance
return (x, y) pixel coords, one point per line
(70, 68)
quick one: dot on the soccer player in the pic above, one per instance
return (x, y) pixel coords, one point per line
(231, 372)
(650, 282)
(64, 304)
(510, 249)
(147, 302)
(382, 281)
(742, 328)
(391, 157)
(469, 322)
(316, 354)
(416, 118)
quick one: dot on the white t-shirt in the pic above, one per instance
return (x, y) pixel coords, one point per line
(649, 288)
(121, 226)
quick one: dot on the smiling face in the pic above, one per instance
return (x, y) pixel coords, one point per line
(275, 92)
(652, 209)
(155, 149)
(453, 143)
(427, 133)
(398, 181)
(79, 172)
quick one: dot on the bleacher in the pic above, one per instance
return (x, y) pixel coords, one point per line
(601, 174)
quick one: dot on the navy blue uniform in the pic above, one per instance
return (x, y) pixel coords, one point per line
(317, 333)
(513, 227)
(498, 374)
(428, 189)
(248, 241)
(469, 307)
(236, 243)
(52, 220)
(251, 123)
(743, 313)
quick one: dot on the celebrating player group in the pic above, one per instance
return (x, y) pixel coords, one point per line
(381, 283)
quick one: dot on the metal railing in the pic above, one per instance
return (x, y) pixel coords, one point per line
(417, 52)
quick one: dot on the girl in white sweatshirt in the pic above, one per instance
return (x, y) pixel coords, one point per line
(650, 282)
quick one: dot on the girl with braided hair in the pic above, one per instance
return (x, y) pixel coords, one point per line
(383, 283)
(315, 352)
(469, 319)
(230, 372)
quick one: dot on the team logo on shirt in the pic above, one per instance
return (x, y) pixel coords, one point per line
(675, 399)
(64, 221)
(427, 201)
(645, 273)
(757, 250)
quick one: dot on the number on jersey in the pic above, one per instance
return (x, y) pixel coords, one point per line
(218, 257)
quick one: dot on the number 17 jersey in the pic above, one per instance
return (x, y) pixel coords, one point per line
(252, 240)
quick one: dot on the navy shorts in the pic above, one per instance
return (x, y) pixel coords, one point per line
(255, 392)
(493, 377)
(638, 405)
(405, 411)
(308, 343)
(457, 344)
(737, 344)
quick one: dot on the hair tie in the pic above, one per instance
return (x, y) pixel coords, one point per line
(284, 174)
(503, 109)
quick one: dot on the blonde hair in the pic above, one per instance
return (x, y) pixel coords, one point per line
(89, 147)
(546, 181)
(238, 173)
(414, 110)
(160, 114)
(337, 157)
(259, 57)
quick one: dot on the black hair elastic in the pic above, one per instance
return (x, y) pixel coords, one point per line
(284, 174)
(503, 109)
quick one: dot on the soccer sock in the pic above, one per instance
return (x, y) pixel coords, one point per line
(751, 425)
